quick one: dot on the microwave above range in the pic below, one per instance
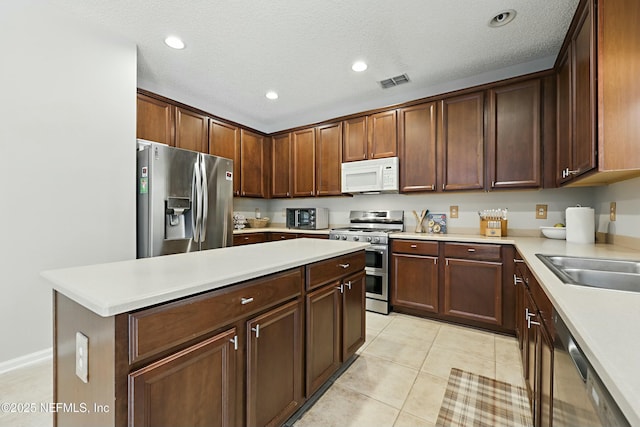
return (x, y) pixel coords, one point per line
(308, 218)
(371, 176)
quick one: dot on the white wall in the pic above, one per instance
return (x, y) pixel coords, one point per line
(626, 194)
(67, 162)
(521, 206)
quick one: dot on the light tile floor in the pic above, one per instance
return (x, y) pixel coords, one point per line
(401, 374)
(398, 380)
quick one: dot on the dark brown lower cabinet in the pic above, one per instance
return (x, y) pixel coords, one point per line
(353, 314)
(536, 336)
(335, 327)
(323, 335)
(161, 394)
(274, 365)
(473, 290)
(415, 281)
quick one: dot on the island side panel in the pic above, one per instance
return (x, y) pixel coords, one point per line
(78, 403)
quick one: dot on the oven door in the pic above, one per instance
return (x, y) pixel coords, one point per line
(376, 268)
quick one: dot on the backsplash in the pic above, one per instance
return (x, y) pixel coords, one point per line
(626, 194)
(520, 204)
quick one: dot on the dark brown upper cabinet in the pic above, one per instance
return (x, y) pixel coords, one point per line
(253, 162)
(461, 142)
(382, 135)
(224, 141)
(281, 165)
(191, 130)
(303, 158)
(329, 159)
(355, 145)
(417, 147)
(155, 119)
(514, 142)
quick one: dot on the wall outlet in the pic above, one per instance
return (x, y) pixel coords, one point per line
(541, 211)
(82, 357)
(612, 211)
(453, 212)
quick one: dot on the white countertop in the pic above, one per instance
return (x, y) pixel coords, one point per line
(603, 322)
(114, 288)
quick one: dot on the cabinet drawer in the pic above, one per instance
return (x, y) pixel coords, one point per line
(283, 236)
(472, 251)
(247, 239)
(334, 268)
(157, 329)
(414, 247)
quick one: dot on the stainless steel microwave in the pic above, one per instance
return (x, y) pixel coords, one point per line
(308, 218)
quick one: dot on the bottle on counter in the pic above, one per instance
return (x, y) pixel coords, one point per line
(258, 215)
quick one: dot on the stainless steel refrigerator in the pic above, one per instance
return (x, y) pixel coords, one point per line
(184, 200)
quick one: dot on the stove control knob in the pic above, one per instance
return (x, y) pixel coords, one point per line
(375, 240)
(336, 237)
(343, 237)
(356, 238)
(368, 239)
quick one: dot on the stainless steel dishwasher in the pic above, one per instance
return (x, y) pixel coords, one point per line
(579, 397)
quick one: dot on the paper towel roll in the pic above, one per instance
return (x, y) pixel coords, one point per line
(581, 225)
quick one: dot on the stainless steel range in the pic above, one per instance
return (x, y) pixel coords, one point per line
(373, 227)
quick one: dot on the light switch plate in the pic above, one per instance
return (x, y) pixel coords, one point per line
(82, 357)
(453, 212)
(612, 211)
(541, 211)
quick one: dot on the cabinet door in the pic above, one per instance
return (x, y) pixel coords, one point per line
(545, 380)
(529, 350)
(194, 387)
(355, 140)
(583, 66)
(252, 161)
(414, 282)
(323, 335)
(417, 147)
(274, 365)
(514, 136)
(191, 130)
(281, 165)
(303, 156)
(154, 120)
(382, 135)
(224, 141)
(353, 314)
(461, 142)
(329, 160)
(473, 290)
(564, 145)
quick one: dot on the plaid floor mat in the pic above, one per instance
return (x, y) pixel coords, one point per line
(474, 400)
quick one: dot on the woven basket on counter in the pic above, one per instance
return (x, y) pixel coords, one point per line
(257, 222)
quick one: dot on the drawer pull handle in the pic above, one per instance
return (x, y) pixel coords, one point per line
(246, 238)
(244, 301)
(234, 340)
(517, 261)
(471, 250)
(257, 330)
(347, 265)
(341, 287)
(414, 246)
(348, 284)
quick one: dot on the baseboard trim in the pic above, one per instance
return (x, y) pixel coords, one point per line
(26, 360)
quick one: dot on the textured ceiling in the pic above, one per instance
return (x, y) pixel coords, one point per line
(303, 49)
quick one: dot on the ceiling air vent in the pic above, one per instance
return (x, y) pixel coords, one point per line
(394, 81)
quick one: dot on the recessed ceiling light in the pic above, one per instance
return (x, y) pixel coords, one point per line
(271, 95)
(502, 18)
(359, 66)
(174, 42)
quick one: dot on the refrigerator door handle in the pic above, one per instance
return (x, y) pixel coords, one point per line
(196, 196)
(205, 199)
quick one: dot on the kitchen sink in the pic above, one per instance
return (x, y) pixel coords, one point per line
(621, 275)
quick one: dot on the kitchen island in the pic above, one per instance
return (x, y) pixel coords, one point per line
(233, 336)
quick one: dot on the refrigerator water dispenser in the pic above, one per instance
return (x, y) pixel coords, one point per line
(177, 223)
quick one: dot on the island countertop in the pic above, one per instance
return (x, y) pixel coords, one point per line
(118, 287)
